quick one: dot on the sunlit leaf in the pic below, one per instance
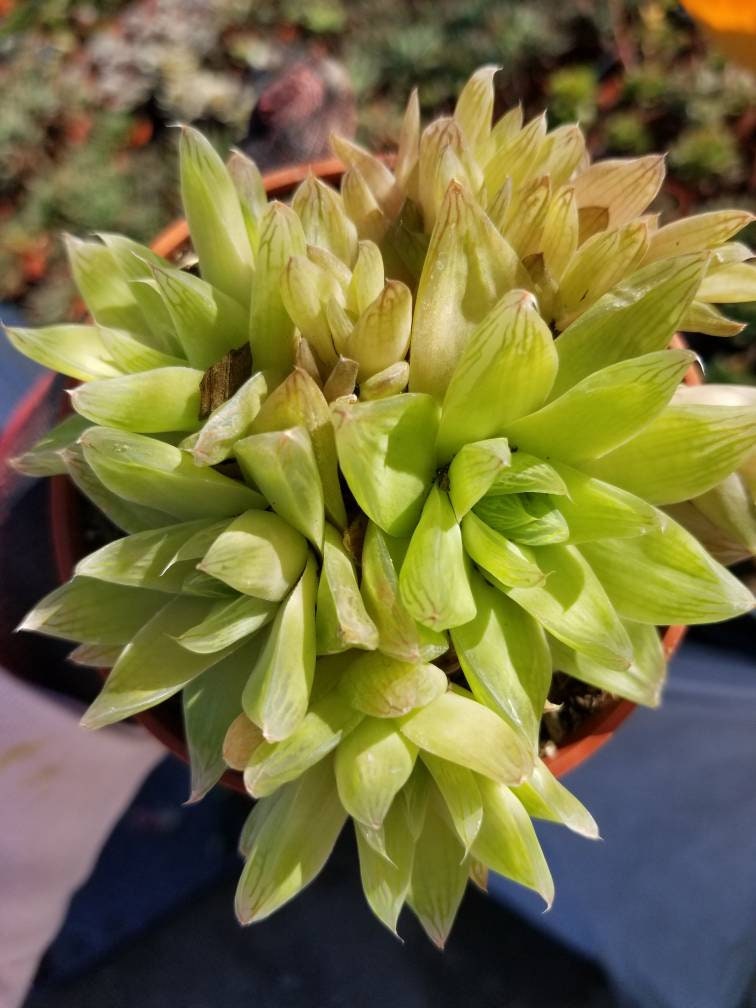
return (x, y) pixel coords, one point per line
(666, 577)
(278, 690)
(385, 449)
(372, 764)
(284, 853)
(434, 579)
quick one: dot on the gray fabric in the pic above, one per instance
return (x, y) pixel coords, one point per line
(666, 902)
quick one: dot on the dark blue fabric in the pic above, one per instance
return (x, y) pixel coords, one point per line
(16, 372)
(666, 901)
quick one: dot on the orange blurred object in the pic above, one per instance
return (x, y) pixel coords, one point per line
(731, 25)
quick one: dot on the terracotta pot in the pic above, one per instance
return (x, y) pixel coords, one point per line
(165, 721)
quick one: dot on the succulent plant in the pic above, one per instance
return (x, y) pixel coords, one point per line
(391, 459)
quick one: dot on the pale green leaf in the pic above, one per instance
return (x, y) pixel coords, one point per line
(271, 331)
(505, 657)
(74, 350)
(399, 635)
(505, 370)
(278, 691)
(152, 666)
(439, 877)
(666, 577)
(45, 458)
(386, 879)
(219, 233)
(545, 798)
(208, 323)
(603, 410)
(507, 842)
(638, 316)
(228, 622)
(258, 554)
(465, 732)
(283, 465)
(473, 470)
(684, 452)
(341, 620)
(385, 449)
(372, 764)
(434, 579)
(284, 853)
(572, 605)
(459, 789)
(641, 682)
(166, 399)
(385, 687)
(272, 764)
(210, 704)
(84, 609)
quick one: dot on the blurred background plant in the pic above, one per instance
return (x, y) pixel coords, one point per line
(90, 89)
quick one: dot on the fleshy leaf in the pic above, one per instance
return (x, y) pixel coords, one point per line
(166, 399)
(467, 270)
(594, 509)
(603, 410)
(439, 877)
(228, 423)
(684, 452)
(381, 335)
(271, 331)
(130, 355)
(624, 186)
(298, 401)
(105, 290)
(463, 731)
(372, 764)
(474, 468)
(399, 635)
(142, 560)
(152, 666)
(324, 221)
(573, 606)
(696, 233)
(389, 382)
(284, 853)
(505, 657)
(208, 323)
(545, 798)
(459, 789)
(45, 458)
(275, 763)
(282, 464)
(385, 687)
(74, 350)
(527, 474)
(505, 371)
(386, 879)
(507, 842)
(341, 621)
(680, 582)
(385, 448)
(159, 476)
(278, 690)
(258, 554)
(434, 579)
(641, 682)
(124, 514)
(496, 554)
(216, 222)
(226, 623)
(210, 704)
(85, 609)
(638, 316)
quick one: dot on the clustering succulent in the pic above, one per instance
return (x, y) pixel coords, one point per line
(391, 459)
